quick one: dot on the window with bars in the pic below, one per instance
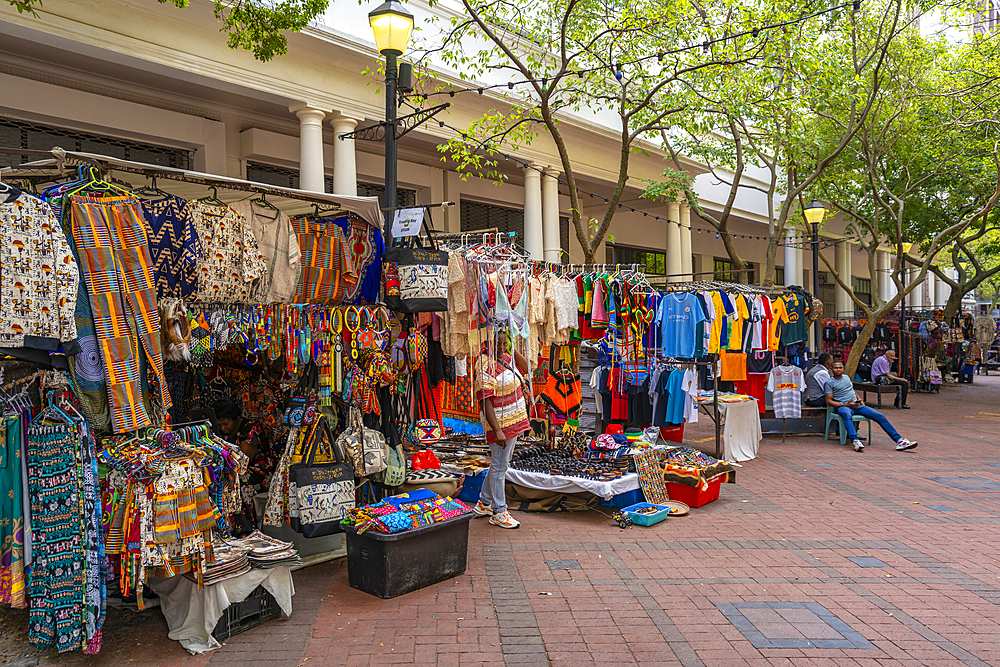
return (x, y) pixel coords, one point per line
(33, 136)
(654, 261)
(862, 289)
(723, 270)
(779, 275)
(477, 215)
(270, 174)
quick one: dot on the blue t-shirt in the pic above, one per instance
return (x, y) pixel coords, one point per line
(678, 317)
(842, 389)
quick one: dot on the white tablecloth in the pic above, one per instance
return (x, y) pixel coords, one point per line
(192, 614)
(563, 484)
(741, 432)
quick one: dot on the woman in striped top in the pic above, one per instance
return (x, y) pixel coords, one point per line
(504, 415)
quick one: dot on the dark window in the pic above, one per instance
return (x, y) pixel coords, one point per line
(723, 270)
(31, 136)
(653, 261)
(862, 289)
(404, 197)
(828, 294)
(779, 275)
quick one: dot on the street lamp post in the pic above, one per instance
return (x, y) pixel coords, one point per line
(904, 248)
(391, 24)
(814, 216)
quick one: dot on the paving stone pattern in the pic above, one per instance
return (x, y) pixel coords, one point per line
(778, 571)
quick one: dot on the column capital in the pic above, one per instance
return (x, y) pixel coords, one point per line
(338, 119)
(550, 172)
(532, 173)
(309, 112)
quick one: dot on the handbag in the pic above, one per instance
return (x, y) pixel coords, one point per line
(416, 347)
(319, 495)
(422, 276)
(302, 404)
(367, 446)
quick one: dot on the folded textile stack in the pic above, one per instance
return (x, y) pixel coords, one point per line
(230, 561)
(267, 552)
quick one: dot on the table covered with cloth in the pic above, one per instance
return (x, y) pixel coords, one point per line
(192, 614)
(565, 484)
(741, 432)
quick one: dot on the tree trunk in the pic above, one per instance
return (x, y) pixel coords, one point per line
(858, 347)
(954, 304)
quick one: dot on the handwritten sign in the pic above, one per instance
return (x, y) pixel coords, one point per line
(407, 222)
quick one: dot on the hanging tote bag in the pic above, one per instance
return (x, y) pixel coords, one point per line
(319, 495)
(422, 275)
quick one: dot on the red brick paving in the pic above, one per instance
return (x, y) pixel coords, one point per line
(648, 596)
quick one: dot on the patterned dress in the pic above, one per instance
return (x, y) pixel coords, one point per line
(11, 514)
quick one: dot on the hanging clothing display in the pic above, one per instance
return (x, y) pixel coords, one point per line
(786, 383)
(278, 245)
(12, 566)
(39, 278)
(230, 259)
(110, 238)
(174, 246)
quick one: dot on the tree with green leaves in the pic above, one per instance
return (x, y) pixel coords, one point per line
(772, 119)
(914, 139)
(624, 59)
(252, 25)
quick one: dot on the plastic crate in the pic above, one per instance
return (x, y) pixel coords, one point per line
(388, 565)
(472, 486)
(258, 608)
(694, 496)
(646, 519)
(623, 500)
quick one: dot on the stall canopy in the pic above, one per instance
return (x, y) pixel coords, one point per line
(289, 200)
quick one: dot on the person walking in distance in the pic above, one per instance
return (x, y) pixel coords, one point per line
(840, 396)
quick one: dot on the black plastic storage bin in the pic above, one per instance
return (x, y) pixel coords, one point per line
(258, 608)
(391, 565)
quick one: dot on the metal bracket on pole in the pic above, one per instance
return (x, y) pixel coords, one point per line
(403, 125)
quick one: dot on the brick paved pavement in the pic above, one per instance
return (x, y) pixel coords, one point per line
(818, 556)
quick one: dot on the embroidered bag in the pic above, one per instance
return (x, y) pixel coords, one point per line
(319, 495)
(416, 346)
(422, 274)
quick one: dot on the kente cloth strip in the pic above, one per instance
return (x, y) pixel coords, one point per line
(110, 238)
(57, 571)
(327, 268)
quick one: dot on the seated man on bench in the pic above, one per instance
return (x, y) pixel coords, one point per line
(816, 378)
(882, 374)
(840, 396)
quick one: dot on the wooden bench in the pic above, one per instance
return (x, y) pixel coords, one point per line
(987, 366)
(865, 387)
(811, 422)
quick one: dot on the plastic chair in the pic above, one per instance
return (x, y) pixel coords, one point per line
(832, 416)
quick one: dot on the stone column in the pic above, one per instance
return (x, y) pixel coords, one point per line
(930, 287)
(686, 260)
(842, 262)
(310, 146)
(550, 215)
(883, 266)
(674, 268)
(533, 213)
(793, 260)
(345, 168)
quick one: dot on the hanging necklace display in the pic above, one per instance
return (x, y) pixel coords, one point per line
(337, 326)
(352, 320)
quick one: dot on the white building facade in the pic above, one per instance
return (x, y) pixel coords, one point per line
(149, 82)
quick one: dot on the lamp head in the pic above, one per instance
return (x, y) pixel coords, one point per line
(391, 24)
(905, 245)
(814, 213)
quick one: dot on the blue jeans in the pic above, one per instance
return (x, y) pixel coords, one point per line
(873, 415)
(494, 493)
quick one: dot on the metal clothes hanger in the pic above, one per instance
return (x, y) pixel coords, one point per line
(213, 198)
(263, 203)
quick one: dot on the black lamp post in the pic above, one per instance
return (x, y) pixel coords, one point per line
(391, 25)
(814, 214)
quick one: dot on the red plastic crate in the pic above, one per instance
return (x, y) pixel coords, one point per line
(693, 496)
(672, 433)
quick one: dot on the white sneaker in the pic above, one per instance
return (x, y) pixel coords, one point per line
(482, 510)
(858, 445)
(903, 444)
(504, 520)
